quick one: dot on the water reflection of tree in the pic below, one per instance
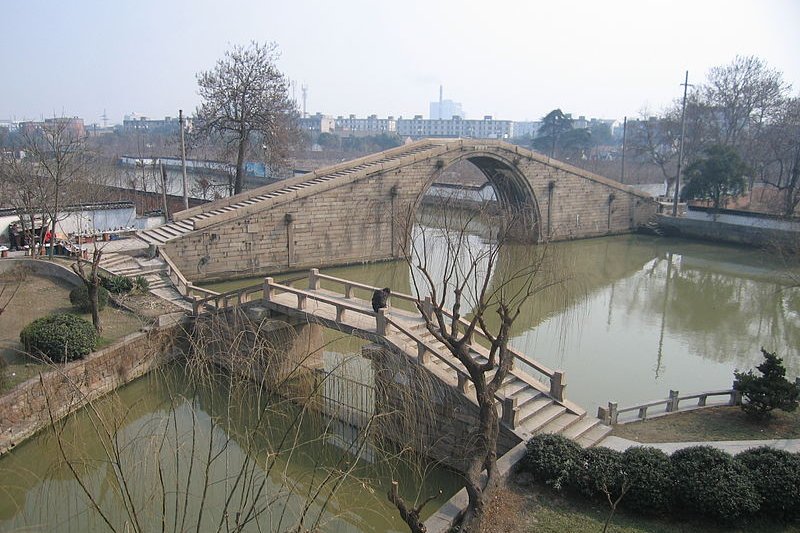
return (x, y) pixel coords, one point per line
(720, 316)
(199, 446)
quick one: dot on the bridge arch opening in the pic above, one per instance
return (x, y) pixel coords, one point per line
(487, 182)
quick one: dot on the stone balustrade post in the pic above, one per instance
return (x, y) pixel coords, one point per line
(381, 324)
(427, 308)
(267, 289)
(422, 353)
(672, 404)
(736, 397)
(613, 414)
(313, 279)
(510, 412)
(558, 385)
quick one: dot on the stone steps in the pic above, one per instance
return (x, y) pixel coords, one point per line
(173, 230)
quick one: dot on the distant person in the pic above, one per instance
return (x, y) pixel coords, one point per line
(380, 297)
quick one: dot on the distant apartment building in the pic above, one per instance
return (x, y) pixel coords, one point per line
(526, 128)
(142, 123)
(372, 125)
(486, 128)
(316, 124)
(73, 125)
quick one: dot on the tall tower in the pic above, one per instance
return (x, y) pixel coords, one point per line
(304, 88)
(441, 92)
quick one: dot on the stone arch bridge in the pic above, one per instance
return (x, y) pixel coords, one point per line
(348, 213)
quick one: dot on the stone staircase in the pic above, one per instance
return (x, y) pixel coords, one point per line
(264, 196)
(153, 270)
(538, 412)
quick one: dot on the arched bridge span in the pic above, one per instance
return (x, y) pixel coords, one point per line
(349, 213)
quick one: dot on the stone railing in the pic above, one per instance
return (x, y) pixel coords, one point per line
(555, 385)
(185, 287)
(610, 415)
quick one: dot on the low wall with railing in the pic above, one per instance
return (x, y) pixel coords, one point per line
(613, 414)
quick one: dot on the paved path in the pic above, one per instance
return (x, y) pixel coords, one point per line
(731, 446)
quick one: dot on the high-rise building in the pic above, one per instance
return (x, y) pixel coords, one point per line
(445, 109)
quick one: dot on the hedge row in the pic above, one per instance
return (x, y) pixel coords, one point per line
(762, 482)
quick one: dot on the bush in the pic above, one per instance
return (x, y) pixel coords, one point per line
(709, 482)
(118, 284)
(59, 338)
(771, 390)
(79, 297)
(650, 476)
(553, 459)
(600, 471)
(141, 284)
(776, 476)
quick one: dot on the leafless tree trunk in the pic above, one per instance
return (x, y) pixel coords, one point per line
(457, 270)
(92, 282)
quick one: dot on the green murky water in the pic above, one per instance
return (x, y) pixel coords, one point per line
(637, 315)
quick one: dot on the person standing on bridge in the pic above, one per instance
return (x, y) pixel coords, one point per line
(380, 298)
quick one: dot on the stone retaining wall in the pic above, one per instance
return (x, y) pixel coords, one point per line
(727, 232)
(29, 406)
(417, 410)
(41, 267)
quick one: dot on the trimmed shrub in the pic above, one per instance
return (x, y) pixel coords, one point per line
(709, 482)
(59, 338)
(79, 298)
(553, 459)
(600, 471)
(776, 476)
(118, 284)
(141, 284)
(650, 476)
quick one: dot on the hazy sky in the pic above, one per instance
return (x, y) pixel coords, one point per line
(514, 60)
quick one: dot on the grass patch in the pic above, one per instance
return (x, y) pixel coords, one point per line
(712, 423)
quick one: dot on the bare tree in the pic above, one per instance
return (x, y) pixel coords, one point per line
(92, 281)
(780, 156)
(458, 270)
(246, 105)
(744, 94)
(58, 153)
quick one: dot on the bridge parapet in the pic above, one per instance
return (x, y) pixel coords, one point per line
(400, 329)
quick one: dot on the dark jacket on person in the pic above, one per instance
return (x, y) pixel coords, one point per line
(380, 297)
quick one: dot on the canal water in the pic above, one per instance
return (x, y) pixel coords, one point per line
(161, 450)
(631, 317)
(635, 316)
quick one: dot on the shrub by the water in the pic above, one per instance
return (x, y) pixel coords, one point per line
(553, 459)
(118, 284)
(59, 338)
(776, 476)
(771, 390)
(600, 471)
(709, 482)
(79, 297)
(651, 480)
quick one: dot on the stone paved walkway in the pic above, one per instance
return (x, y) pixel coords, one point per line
(731, 446)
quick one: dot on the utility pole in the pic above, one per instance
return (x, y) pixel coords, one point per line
(624, 131)
(164, 190)
(680, 150)
(183, 162)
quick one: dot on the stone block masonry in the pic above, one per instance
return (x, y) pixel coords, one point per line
(31, 405)
(359, 215)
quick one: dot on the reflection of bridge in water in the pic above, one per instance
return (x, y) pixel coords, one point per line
(531, 399)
